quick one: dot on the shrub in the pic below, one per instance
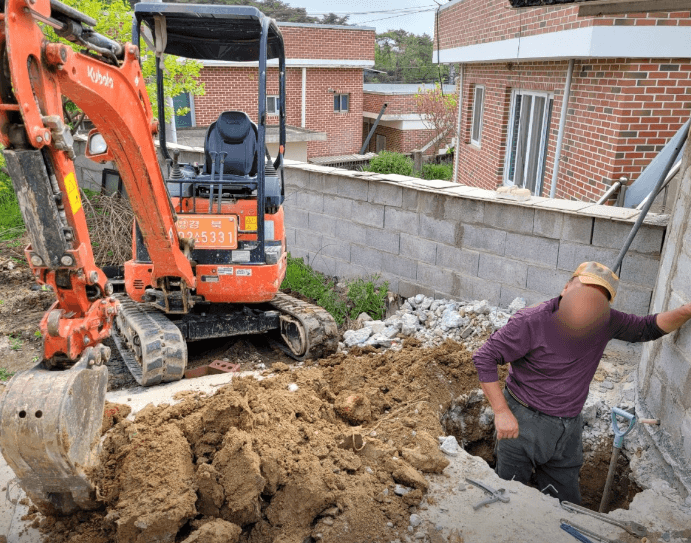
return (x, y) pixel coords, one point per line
(390, 162)
(437, 171)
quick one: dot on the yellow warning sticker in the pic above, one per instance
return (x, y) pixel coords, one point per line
(251, 223)
(72, 189)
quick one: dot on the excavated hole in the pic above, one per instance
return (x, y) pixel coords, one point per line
(470, 421)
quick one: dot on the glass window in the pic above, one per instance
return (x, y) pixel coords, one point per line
(531, 116)
(478, 107)
(272, 103)
(341, 102)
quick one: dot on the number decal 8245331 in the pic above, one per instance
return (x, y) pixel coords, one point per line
(209, 232)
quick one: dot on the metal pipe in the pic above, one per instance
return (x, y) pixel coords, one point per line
(562, 126)
(304, 97)
(611, 190)
(646, 207)
(374, 127)
(457, 150)
(674, 171)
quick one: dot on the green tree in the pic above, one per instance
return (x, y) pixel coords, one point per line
(406, 58)
(115, 21)
(281, 11)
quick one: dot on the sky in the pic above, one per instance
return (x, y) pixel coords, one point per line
(415, 16)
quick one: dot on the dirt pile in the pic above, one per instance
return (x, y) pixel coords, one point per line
(339, 459)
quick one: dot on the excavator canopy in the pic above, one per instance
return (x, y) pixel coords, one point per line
(211, 32)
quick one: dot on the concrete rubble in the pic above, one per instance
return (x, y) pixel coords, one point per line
(432, 321)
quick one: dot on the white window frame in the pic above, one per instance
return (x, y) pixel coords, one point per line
(481, 117)
(549, 101)
(340, 102)
(275, 111)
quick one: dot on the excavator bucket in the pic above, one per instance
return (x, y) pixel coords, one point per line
(50, 428)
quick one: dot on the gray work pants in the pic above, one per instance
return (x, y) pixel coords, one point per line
(551, 446)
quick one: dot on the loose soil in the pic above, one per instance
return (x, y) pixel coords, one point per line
(276, 465)
(22, 305)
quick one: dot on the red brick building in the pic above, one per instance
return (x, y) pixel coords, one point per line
(401, 127)
(629, 93)
(324, 76)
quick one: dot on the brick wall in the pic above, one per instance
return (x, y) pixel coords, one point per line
(397, 104)
(237, 88)
(303, 42)
(457, 242)
(470, 22)
(621, 112)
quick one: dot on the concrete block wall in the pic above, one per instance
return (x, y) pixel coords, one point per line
(451, 241)
(664, 373)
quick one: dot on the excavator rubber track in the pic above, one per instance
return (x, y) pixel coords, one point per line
(308, 330)
(150, 344)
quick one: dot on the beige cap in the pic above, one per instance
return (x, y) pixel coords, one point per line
(594, 273)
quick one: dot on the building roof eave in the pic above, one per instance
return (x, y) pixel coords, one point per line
(586, 42)
(299, 63)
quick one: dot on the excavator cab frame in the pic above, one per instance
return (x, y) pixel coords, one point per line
(237, 34)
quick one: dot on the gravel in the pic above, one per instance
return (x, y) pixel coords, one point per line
(432, 322)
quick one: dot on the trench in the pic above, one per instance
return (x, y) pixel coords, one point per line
(470, 421)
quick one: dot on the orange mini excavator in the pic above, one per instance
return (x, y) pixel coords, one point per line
(209, 249)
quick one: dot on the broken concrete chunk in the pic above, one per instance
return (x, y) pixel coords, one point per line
(516, 305)
(517, 194)
(356, 337)
(401, 490)
(450, 446)
(451, 319)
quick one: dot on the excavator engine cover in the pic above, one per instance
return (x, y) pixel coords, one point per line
(51, 424)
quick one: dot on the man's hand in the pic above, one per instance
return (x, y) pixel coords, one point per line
(506, 425)
(669, 321)
(504, 421)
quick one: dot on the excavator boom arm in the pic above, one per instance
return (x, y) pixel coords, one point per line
(113, 95)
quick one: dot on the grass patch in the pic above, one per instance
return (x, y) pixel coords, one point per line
(5, 374)
(359, 296)
(11, 223)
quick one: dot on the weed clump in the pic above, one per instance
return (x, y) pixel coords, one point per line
(346, 304)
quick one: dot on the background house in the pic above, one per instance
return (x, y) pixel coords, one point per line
(401, 127)
(324, 75)
(629, 93)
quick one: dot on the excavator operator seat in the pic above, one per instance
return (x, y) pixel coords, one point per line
(236, 135)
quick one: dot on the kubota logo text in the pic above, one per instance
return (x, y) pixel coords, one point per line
(99, 78)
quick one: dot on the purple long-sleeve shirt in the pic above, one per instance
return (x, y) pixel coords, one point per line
(548, 372)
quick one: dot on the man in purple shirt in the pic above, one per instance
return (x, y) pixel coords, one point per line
(554, 349)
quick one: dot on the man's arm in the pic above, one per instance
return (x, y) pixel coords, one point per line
(505, 345)
(504, 421)
(669, 321)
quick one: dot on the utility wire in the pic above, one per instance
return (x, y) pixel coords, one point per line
(395, 16)
(369, 12)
